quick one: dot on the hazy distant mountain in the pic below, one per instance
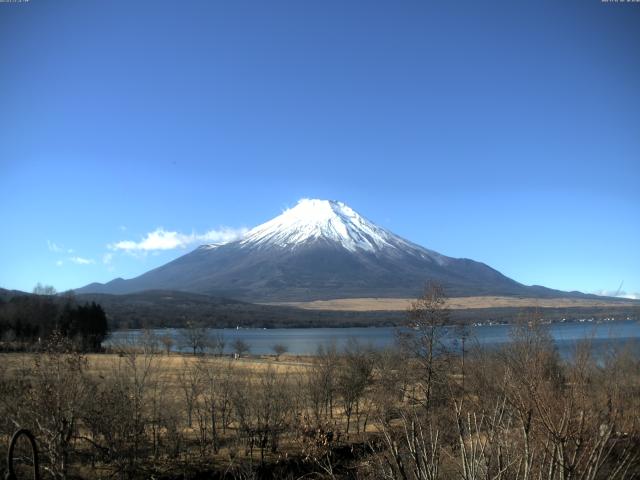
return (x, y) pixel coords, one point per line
(6, 295)
(320, 250)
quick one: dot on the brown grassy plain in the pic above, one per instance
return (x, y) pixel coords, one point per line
(456, 303)
(170, 366)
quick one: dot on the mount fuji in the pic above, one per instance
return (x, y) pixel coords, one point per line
(320, 250)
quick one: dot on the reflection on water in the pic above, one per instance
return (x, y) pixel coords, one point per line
(305, 341)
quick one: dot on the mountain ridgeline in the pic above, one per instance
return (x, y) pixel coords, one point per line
(320, 250)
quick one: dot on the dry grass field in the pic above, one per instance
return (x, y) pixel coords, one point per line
(456, 303)
(171, 366)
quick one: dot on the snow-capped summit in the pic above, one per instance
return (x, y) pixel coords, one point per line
(329, 220)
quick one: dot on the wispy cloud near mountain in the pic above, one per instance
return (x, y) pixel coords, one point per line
(618, 294)
(161, 239)
(54, 247)
(81, 260)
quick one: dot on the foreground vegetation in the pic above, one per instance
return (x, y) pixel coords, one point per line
(518, 413)
(413, 412)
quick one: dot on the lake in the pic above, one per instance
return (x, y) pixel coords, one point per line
(305, 341)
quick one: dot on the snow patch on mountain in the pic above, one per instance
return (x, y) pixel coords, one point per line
(329, 220)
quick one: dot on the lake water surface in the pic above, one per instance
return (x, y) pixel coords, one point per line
(305, 341)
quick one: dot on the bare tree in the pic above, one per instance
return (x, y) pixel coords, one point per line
(218, 342)
(412, 453)
(168, 342)
(279, 349)
(390, 382)
(225, 383)
(190, 380)
(322, 381)
(214, 394)
(41, 289)
(428, 314)
(149, 341)
(55, 400)
(240, 347)
(353, 379)
(263, 410)
(195, 337)
(121, 415)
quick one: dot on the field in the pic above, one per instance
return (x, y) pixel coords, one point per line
(456, 303)
(99, 365)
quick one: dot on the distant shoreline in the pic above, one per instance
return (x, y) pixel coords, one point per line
(347, 327)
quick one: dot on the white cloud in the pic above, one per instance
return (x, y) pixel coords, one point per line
(618, 294)
(223, 235)
(81, 261)
(107, 258)
(630, 296)
(161, 239)
(59, 263)
(54, 248)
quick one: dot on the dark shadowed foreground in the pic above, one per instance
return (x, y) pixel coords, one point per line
(412, 412)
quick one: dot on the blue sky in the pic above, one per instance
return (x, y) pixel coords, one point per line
(507, 132)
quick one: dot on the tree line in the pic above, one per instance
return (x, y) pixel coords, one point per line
(26, 321)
